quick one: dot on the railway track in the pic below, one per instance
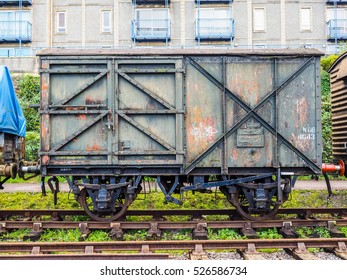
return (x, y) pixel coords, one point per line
(37, 221)
(155, 228)
(160, 214)
(249, 249)
(40, 220)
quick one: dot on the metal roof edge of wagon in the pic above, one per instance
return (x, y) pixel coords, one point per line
(182, 51)
(337, 61)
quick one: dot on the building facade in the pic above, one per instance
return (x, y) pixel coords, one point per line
(27, 26)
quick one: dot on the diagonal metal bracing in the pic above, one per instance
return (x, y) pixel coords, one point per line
(78, 132)
(147, 132)
(81, 89)
(251, 113)
(146, 91)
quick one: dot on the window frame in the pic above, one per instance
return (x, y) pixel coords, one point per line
(201, 25)
(257, 29)
(150, 25)
(302, 27)
(61, 29)
(104, 28)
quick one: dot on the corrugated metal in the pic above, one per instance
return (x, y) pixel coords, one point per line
(338, 84)
(180, 111)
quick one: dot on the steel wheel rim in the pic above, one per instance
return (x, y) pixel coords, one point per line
(110, 217)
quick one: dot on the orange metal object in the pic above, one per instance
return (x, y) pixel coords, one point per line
(329, 168)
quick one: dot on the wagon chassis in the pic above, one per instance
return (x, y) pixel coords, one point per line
(259, 189)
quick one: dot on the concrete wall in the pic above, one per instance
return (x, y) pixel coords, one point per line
(21, 64)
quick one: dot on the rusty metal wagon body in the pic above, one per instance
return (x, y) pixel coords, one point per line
(245, 121)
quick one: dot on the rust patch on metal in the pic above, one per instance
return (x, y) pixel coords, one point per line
(302, 110)
(74, 108)
(45, 160)
(95, 147)
(81, 117)
(234, 155)
(92, 101)
(44, 85)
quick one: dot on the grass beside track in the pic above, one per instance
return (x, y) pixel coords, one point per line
(155, 200)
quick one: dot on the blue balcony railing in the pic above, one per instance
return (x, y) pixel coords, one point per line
(214, 29)
(16, 3)
(15, 31)
(151, 30)
(213, 1)
(332, 2)
(151, 2)
(337, 29)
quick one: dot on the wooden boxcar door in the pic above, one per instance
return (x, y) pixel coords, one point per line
(148, 112)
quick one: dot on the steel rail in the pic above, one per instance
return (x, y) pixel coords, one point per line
(95, 249)
(167, 225)
(171, 212)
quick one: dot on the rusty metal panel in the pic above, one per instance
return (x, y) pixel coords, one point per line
(111, 112)
(271, 115)
(181, 111)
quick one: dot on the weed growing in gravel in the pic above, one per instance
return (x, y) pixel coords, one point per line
(343, 230)
(269, 233)
(133, 235)
(223, 234)
(177, 235)
(61, 235)
(155, 200)
(98, 235)
(307, 232)
(14, 236)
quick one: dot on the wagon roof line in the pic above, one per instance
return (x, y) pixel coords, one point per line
(337, 61)
(168, 52)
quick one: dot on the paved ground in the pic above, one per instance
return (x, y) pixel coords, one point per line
(301, 185)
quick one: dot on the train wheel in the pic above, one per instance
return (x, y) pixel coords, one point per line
(245, 206)
(117, 210)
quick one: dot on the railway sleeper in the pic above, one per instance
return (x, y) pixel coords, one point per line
(3, 228)
(301, 253)
(287, 231)
(200, 231)
(198, 253)
(116, 231)
(341, 250)
(36, 250)
(154, 232)
(334, 231)
(251, 253)
(84, 230)
(35, 234)
(248, 231)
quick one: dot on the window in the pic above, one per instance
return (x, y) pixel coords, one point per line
(151, 24)
(15, 25)
(61, 22)
(305, 19)
(106, 21)
(259, 20)
(214, 23)
(341, 13)
(337, 23)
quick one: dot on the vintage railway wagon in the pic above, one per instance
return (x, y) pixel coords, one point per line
(338, 82)
(12, 129)
(246, 122)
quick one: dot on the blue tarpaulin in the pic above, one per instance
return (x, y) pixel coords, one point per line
(11, 116)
